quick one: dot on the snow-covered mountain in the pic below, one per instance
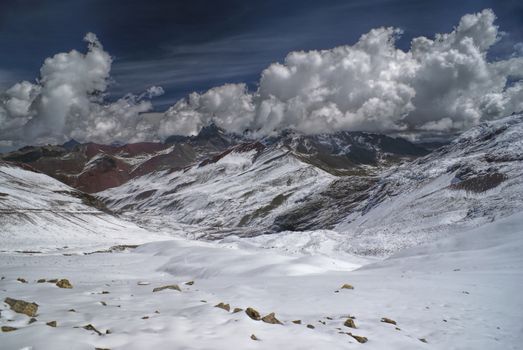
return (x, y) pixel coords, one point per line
(39, 213)
(474, 180)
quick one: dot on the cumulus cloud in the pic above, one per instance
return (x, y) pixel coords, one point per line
(442, 84)
(67, 102)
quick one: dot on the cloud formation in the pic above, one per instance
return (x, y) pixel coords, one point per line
(442, 84)
(445, 84)
(67, 102)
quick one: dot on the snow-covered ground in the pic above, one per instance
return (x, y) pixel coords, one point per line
(461, 293)
(39, 213)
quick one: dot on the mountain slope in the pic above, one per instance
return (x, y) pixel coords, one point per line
(39, 213)
(475, 179)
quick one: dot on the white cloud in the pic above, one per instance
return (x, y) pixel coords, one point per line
(67, 102)
(445, 84)
(440, 84)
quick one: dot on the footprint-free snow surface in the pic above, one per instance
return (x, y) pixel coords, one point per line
(461, 293)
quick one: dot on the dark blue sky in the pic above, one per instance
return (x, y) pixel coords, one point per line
(193, 45)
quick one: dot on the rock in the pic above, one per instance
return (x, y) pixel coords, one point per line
(388, 320)
(8, 329)
(322, 322)
(90, 327)
(253, 337)
(350, 323)
(297, 321)
(102, 349)
(423, 340)
(41, 280)
(103, 303)
(171, 286)
(359, 338)
(51, 324)
(143, 283)
(310, 326)
(108, 331)
(145, 318)
(32, 320)
(347, 286)
(190, 283)
(19, 279)
(22, 307)
(71, 310)
(271, 318)
(105, 292)
(255, 315)
(64, 283)
(226, 307)
(54, 280)
(237, 309)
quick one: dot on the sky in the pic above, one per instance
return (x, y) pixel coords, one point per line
(194, 46)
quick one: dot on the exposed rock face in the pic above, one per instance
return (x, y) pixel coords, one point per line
(22, 307)
(252, 313)
(171, 286)
(64, 283)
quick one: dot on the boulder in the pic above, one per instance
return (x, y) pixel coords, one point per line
(226, 307)
(22, 307)
(271, 318)
(388, 320)
(359, 338)
(8, 329)
(255, 315)
(347, 286)
(350, 323)
(171, 286)
(51, 324)
(64, 283)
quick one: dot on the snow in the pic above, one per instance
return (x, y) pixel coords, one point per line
(460, 293)
(38, 213)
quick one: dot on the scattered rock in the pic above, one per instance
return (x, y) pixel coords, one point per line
(22, 307)
(102, 349)
(271, 318)
(171, 286)
(103, 303)
(255, 315)
(157, 312)
(90, 327)
(64, 283)
(388, 320)
(226, 307)
(203, 301)
(328, 318)
(41, 280)
(322, 322)
(297, 321)
(32, 320)
(423, 340)
(190, 283)
(237, 309)
(398, 329)
(253, 337)
(8, 329)
(54, 280)
(347, 286)
(359, 338)
(105, 292)
(51, 324)
(310, 326)
(20, 279)
(145, 318)
(71, 310)
(350, 323)
(108, 331)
